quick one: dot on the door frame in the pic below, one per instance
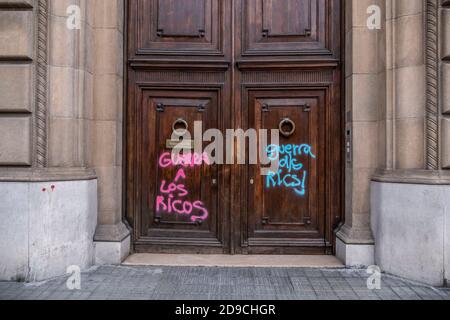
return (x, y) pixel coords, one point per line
(235, 169)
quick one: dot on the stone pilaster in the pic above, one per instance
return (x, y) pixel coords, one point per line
(364, 100)
(70, 86)
(112, 236)
(409, 85)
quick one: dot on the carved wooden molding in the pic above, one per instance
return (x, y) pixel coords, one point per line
(319, 76)
(41, 85)
(150, 65)
(180, 77)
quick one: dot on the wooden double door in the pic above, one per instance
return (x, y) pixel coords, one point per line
(234, 64)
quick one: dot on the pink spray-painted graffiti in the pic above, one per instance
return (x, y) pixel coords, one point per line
(173, 195)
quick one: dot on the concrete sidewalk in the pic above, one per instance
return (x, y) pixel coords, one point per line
(196, 283)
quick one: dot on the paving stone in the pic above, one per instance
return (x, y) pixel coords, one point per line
(168, 283)
(311, 273)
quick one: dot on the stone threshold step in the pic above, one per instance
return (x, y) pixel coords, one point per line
(233, 261)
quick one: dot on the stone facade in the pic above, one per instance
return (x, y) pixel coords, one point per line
(61, 122)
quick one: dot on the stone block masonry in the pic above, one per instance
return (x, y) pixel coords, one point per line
(45, 228)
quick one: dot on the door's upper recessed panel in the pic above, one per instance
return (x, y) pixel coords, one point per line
(288, 19)
(286, 27)
(182, 19)
(178, 27)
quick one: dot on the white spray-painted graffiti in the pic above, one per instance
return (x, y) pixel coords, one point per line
(173, 195)
(291, 173)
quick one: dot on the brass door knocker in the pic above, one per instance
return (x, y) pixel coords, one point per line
(180, 127)
(287, 127)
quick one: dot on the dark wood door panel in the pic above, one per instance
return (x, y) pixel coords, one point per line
(286, 207)
(179, 196)
(289, 27)
(183, 19)
(231, 64)
(174, 27)
(288, 19)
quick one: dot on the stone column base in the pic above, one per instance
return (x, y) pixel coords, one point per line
(112, 244)
(355, 255)
(355, 247)
(46, 225)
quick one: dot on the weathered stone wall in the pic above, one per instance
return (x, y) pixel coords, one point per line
(46, 227)
(444, 16)
(48, 201)
(61, 108)
(17, 73)
(409, 207)
(396, 101)
(444, 64)
(411, 227)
